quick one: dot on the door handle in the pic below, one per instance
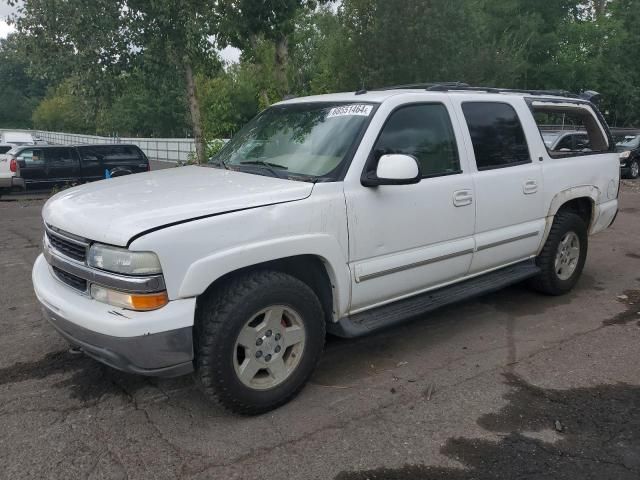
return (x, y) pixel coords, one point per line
(530, 187)
(462, 198)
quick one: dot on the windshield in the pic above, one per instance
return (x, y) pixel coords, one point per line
(631, 143)
(310, 140)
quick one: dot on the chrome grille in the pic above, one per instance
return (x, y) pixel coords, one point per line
(70, 248)
(71, 280)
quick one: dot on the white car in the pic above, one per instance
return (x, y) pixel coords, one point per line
(17, 139)
(9, 140)
(343, 213)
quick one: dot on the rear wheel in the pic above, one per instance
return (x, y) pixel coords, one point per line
(259, 339)
(563, 255)
(634, 169)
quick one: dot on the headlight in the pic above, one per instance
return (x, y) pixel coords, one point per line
(121, 260)
(625, 154)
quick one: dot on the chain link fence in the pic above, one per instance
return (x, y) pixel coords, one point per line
(172, 150)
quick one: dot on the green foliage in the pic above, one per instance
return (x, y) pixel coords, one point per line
(228, 101)
(19, 92)
(63, 110)
(151, 67)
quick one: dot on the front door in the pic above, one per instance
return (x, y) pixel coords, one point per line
(63, 165)
(33, 168)
(404, 239)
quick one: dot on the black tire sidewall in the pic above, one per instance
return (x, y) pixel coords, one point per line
(634, 161)
(280, 289)
(567, 223)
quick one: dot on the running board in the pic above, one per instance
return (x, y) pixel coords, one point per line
(401, 311)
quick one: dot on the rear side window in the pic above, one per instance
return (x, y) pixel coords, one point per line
(60, 157)
(112, 153)
(569, 130)
(497, 135)
(425, 132)
(4, 150)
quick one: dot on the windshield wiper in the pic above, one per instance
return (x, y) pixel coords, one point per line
(264, 164)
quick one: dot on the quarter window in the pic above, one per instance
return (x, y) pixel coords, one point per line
(497, 135)
(425, 132)
(569, 130)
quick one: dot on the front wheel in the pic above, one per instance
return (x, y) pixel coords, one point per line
(563, 256)
(259, 339)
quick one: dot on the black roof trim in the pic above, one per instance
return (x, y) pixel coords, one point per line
(460, 86)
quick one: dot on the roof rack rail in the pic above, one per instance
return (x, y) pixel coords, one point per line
(590, 96)
(426, 86)
(553, 93)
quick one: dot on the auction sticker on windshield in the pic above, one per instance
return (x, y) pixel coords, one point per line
(351, 110)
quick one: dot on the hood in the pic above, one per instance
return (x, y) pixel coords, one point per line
(115, 210)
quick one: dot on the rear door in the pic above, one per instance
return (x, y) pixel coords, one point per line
(510, 216)
(92, 168)
(63, 166)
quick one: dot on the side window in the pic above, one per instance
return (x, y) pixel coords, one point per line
(61, 157)
(497, 135)
(577, 130)
(425, 132)
(89, 157)
(31, 157)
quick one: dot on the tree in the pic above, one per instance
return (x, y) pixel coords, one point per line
(20, 93)
(63, 110)
(97, 41)
(244, 23)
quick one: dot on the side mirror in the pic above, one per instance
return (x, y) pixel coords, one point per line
(394, 169)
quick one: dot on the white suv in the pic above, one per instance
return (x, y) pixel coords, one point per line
(344, 213)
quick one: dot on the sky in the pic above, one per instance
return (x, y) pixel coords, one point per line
(228, 54)
(5, 10)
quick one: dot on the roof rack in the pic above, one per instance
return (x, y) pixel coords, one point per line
(588, 95)
(463, 87)
(426, 86)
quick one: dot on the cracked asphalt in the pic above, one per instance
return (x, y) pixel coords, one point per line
(512, 385)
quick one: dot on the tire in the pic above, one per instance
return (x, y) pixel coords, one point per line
(258, 312)
(567, 226)
(634, 169)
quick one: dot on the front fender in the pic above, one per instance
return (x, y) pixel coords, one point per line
(206, 270)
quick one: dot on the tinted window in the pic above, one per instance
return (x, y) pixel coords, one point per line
(60, 157)
(4, 149)
(112, 153)
(31, 157)
(497, 135)
(425, 132)
(583, 133)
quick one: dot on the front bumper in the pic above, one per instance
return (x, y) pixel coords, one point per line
(156, 343)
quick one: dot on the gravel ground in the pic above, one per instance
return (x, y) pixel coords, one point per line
(512, 385)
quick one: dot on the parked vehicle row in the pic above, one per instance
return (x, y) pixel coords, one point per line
(44, 167)
(343, 213)
(629, 150)
(9, 140)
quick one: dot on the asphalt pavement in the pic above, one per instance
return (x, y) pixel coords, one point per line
(509, 386)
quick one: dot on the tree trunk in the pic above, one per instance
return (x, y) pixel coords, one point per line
(282, 58)
(600, 8)
(194, 109)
